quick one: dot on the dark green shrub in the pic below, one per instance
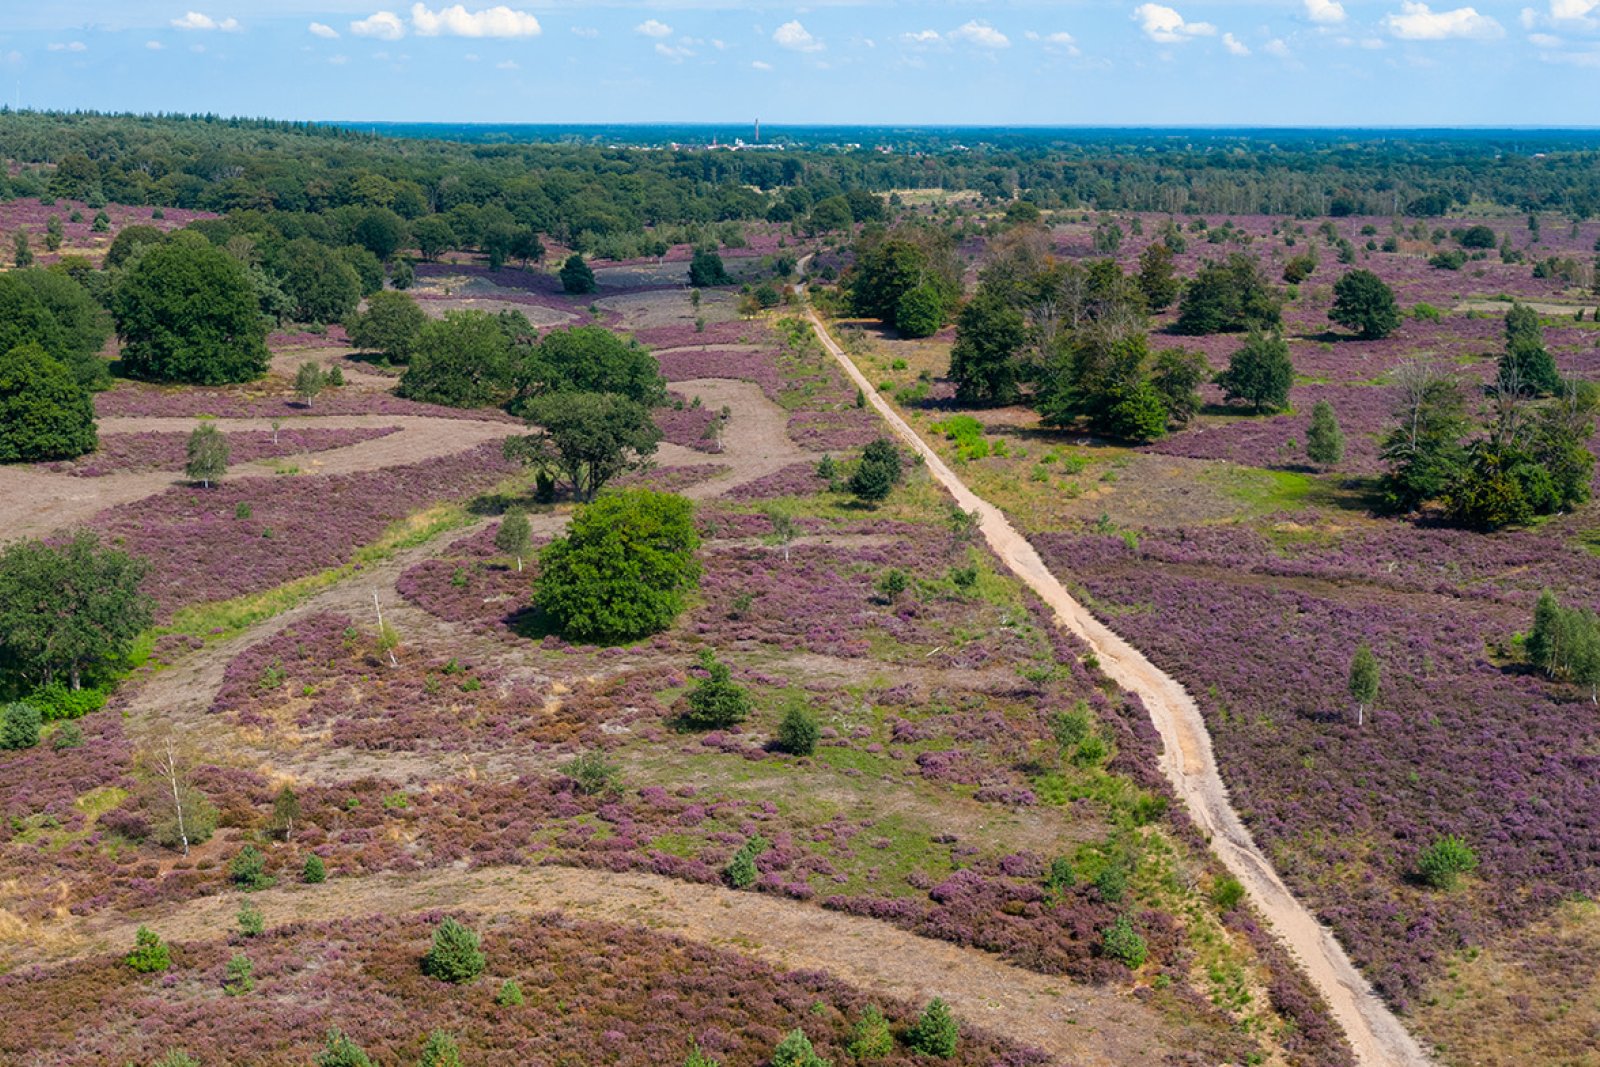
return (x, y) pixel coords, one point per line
(510, 994)
(340, 1051)
(249, 869)
(251, 921)
(795, 1051)
(440, 1050)
(871, 1038)
(741, 871)
(456, 955)
(1061, 877)
(716, 702)
(935, 1032)
(67, 735)
(19, 725)
(593, 774)
(314, 871)
(798, 730)
(1442, 863)
(698, 1058)
(1121, 942)
(150, 953)
(1227, 893)
(240, 976)
(877, 473)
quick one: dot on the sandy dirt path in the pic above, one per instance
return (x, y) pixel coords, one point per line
(1077, 1024)
(1374, 1032)
(35, 502)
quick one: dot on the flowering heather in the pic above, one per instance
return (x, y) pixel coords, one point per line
(674, 479)
(688, 426)
(796, 479)
(836, 430)
(333, 336)
(268, 400)
(159, 450)
(201, 550)
(328, 676)
(1364, 414)
(1456, 743)
(749, 364)
(654, 995)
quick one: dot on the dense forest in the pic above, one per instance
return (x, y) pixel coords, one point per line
(583, 194)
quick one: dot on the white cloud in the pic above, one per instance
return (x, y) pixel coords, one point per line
(194, 20)
(588, 33)
(1566, 14)
(1417, 22)
(675, 52)
(70, 46)
(1276, 47)
(796, 38)
(457, 21)
(922, 37)
(384, 25)
(1545, 40)
(323, 30)
(653, 28)
(1234, 45)
(154, 46)
(1164, 25)
(339, 60)
(1060, 41)
(981, 34)
(508, 64)
(761, 64)
(1325, 12)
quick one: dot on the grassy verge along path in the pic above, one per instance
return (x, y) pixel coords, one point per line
(1375, 1033)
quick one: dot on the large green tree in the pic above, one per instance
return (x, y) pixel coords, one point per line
(50, 309)
(188, 312)
(390, 326)
(1259, 373)
(323, 287)
(1228, 297)
(623, 568)
(589, 359)
(586, 439)
(1363, 302)
(1527, 366)
(985, 359)
(890, 265)
(460, 361)
(44, 412)
(1423, 453)
(68, 611)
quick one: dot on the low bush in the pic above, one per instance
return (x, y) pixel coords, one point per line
(456, 955)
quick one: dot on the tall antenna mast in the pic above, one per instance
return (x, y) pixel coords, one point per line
(758, 131)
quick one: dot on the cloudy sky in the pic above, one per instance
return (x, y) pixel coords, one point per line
(1279, 62)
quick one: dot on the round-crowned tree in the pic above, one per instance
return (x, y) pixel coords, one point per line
(623, 567)
(1363, 302)
(1259, 373)
(187, 312)
(44, 412)
(706, 269)
(461, 361)
(576, 277)
(390, 326)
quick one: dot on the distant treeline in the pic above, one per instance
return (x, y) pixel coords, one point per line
(583, 193)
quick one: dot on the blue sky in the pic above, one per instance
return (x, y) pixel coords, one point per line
(1278, 62)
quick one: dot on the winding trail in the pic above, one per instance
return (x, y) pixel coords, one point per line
(1376, 1035)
